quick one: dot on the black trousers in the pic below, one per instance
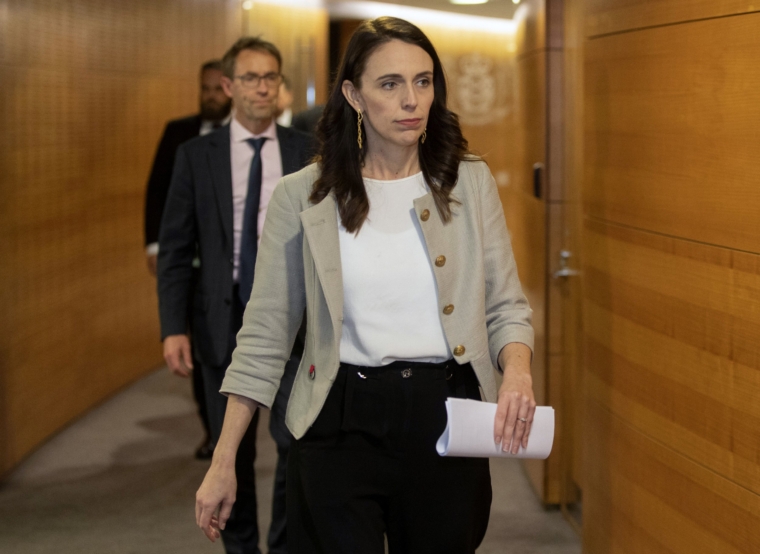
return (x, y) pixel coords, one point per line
(199, 394)
(241, 535)
(199, 391)
(368, 467)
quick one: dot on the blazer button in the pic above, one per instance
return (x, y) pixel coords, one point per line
(440, 261)
(459, 350)
(448, 309)
(425, 215)
(227, 301)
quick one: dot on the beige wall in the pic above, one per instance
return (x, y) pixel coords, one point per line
(86, 90)
(671, 277)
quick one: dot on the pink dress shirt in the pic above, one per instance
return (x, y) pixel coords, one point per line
(241, 154)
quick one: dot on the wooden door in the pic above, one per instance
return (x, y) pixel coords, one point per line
(549, 261)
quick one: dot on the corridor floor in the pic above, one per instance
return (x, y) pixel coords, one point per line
(122, 480)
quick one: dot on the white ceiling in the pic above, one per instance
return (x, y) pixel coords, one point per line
(502, 9)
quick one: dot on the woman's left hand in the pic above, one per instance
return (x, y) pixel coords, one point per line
(516, 404)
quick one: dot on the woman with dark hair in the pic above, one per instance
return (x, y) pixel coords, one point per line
(395, 245)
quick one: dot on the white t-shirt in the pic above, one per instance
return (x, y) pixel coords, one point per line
(390, 304)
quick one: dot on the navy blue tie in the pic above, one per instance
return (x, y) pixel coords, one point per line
(249, 239)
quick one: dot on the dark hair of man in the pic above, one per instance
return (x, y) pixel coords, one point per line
(248, 43)
(215, 65)
(339, 156)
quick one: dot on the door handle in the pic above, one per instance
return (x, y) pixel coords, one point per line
(563, 270)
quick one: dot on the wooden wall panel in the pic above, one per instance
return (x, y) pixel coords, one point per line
(641, 496)
(671, 269)
(672, 130)
(86, 90)
(525, 213)
(531, 33)
(301, 34)
(531, 242)
(613, 16)
(672, 333)
(573, 160)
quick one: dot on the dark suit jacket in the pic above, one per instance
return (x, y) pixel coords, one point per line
(307, 120)
(198, 217)
(176, 132)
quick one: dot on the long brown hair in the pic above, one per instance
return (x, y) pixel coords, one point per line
(339, 156)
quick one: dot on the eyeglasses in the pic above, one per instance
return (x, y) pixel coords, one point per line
(253, 80)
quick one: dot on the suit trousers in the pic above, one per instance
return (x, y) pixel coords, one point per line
(241, 535)
(368, 469)
(199, 391)
(277, 541)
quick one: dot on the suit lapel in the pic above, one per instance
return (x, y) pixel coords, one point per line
(220, 166)
(288, 151)
(320, 224)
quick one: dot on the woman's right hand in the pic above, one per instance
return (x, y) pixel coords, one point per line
(214, 499)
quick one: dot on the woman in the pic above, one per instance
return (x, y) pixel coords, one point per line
(395, 244)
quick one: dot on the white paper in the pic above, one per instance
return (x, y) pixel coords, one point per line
(469, 432)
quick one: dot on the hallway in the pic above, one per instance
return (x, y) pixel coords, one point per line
(122, 480)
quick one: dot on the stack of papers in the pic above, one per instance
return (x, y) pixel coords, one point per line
(469, 432)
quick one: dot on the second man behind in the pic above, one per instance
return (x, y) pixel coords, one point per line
(217, 202)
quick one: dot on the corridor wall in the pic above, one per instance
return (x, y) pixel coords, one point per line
(671, 277)
(86, 90)
(301, 33)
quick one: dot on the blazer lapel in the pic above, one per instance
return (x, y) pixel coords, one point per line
(220, 167)
(320, 224)
(288, 151)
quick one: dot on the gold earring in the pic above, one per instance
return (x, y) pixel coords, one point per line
(359, 126)
(424, 135)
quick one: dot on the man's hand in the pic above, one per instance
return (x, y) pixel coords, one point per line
(153, 264)
(178, 355)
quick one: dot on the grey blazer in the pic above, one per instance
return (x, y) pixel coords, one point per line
(299, 267)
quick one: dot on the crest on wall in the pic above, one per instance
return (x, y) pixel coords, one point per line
(480, 88)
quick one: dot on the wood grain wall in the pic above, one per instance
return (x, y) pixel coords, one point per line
(87, 87)
(672, 277)
(301, 34)
(573, 166)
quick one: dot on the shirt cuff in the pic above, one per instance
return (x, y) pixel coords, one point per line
(151, 249)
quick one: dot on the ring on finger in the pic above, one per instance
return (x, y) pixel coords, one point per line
(523, 419)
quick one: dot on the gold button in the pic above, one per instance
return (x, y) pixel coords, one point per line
(440, 261)
(425, 215)
(448, 309)
(459, 350)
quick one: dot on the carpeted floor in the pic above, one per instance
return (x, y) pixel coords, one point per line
(122, 480)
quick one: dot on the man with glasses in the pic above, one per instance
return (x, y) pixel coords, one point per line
(217, 202)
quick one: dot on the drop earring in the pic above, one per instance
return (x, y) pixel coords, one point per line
(424, 136)
(359, 127)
